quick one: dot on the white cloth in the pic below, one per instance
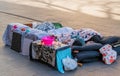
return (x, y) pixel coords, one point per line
(26, 46)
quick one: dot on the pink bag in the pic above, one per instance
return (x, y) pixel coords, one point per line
(48, 40)
(109, 55)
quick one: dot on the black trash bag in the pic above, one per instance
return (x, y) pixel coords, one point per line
(77, 42)
(117, 49)
(89, 60)
(105, 40)
(110, 39)
(88, 47)
(96, 38)
(88, 56)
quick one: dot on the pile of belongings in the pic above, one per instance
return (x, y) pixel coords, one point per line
(86, 45)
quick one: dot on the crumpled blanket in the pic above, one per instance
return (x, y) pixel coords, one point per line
(35, 34)
(13, 27)
(63, 34)
(45, 26)
(85, 33)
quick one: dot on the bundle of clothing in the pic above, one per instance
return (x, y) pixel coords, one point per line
(97, 48)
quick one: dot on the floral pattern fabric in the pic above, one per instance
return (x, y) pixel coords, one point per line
(84, 33)
(109, 55)
(46, 53)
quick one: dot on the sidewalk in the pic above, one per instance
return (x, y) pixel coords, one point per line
(101, 15)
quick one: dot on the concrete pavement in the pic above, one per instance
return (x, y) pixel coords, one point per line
(101, 15)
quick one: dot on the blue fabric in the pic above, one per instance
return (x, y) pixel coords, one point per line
(81, 40)
(61, 54)
(45, 26)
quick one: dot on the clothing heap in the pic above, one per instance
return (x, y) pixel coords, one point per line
(86, 45)
(96, 48)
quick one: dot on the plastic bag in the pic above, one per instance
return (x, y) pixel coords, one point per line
(69, 64)
(109, 55)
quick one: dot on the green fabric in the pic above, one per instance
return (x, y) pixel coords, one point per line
(57, 25)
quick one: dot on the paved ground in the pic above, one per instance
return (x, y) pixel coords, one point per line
(101, 15)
